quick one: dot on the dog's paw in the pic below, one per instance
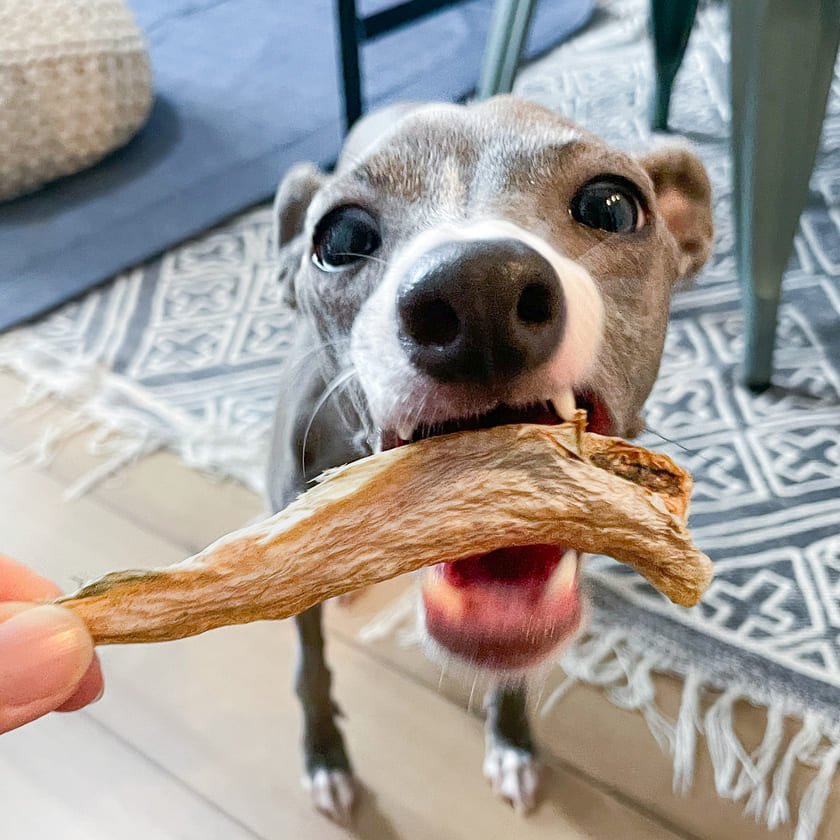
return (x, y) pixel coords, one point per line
(333, 793)
(514, 775)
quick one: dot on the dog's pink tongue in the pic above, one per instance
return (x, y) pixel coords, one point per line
(524, 567)
(507, 609)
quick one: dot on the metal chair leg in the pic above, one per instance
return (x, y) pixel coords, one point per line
(782, 65)
(348, 35)
(509, 29)
(671, 22)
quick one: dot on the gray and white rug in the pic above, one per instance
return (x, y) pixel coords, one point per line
(184, 353)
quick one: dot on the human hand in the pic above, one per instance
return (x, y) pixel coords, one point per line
(47, 661)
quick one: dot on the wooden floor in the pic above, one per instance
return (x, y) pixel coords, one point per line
(199, 738)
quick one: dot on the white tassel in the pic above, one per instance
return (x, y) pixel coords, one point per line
(594, 660)
(639, 692)
(42, 452)
(803, 743)
(636, 689)
(661, 727)
(132, 451)
(754, 776)
(591, 660)
(557, 695)
(685, 734)
(396, 615)
(725, 750)
(813, 801)
(34, 394)
(33, 402)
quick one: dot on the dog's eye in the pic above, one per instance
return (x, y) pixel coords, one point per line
(609, 204)
(344, 236)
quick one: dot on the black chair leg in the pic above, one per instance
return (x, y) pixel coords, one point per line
(348, 39)
(671, 23)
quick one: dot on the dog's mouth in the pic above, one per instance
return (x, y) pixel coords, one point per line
(509, 609)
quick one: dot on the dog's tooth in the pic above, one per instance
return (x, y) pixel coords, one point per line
(405, 432)
(563, 578)
(565, 405)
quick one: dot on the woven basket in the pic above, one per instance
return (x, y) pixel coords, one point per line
(75, 84)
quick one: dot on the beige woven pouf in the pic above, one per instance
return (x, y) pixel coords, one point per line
(75, 84)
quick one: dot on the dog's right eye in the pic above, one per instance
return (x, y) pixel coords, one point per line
(343, 237)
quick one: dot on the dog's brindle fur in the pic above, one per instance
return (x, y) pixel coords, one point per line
(443, 168)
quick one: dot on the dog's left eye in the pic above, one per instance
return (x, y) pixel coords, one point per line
(608, 204)
(344, 236)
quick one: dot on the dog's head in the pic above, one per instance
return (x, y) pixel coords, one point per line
(486, 264)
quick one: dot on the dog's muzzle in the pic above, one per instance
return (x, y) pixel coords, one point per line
(480, 311)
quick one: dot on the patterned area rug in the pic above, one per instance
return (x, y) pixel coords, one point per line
(184, 353)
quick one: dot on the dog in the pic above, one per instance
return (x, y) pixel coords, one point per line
(466, 266)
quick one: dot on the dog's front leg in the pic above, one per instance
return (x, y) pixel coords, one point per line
(329, 775)
(510, 763)
(311, 435)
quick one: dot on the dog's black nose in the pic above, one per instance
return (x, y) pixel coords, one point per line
(480, 311)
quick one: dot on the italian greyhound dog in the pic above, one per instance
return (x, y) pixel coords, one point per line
(464, 267)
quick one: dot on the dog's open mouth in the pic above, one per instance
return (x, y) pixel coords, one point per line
(511, 608)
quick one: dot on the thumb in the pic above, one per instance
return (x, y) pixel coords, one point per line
(44, 653)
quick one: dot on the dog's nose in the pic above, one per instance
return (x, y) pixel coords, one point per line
(480, 311)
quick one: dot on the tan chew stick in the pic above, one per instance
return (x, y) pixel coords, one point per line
(441, 499)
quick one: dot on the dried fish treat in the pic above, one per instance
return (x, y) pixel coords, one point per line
(440, 499)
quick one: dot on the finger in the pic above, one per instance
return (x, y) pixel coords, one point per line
(20, 583)
(45, 652)
(89, 690)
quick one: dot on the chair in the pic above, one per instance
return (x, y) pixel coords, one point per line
(508, 30)
(782, 64)
(354, 31)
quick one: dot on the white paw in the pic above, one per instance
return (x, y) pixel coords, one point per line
(333, 793)
(514, 775)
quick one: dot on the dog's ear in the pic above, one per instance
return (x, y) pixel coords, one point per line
(290, 205)
(684, 200)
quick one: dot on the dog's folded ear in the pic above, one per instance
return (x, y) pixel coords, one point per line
(684, 200)
(294, 194)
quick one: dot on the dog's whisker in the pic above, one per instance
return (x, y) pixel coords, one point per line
(369, 257)
(320, 348)
(418, 414)
(338, 382)
(666, 439)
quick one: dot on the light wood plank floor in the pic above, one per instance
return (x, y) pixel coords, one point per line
(199, 738)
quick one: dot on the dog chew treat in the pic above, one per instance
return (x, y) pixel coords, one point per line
(440, 499)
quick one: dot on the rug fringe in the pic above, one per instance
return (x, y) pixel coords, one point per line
(813, 800)
(120, 422)
(607, 658)
(398, 618)
(130, 453)
(738, 774)
(800, 747)
(685, 735)
(755, 773)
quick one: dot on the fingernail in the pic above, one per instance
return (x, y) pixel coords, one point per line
(44, 652)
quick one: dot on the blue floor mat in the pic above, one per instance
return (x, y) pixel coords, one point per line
(244, 89)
